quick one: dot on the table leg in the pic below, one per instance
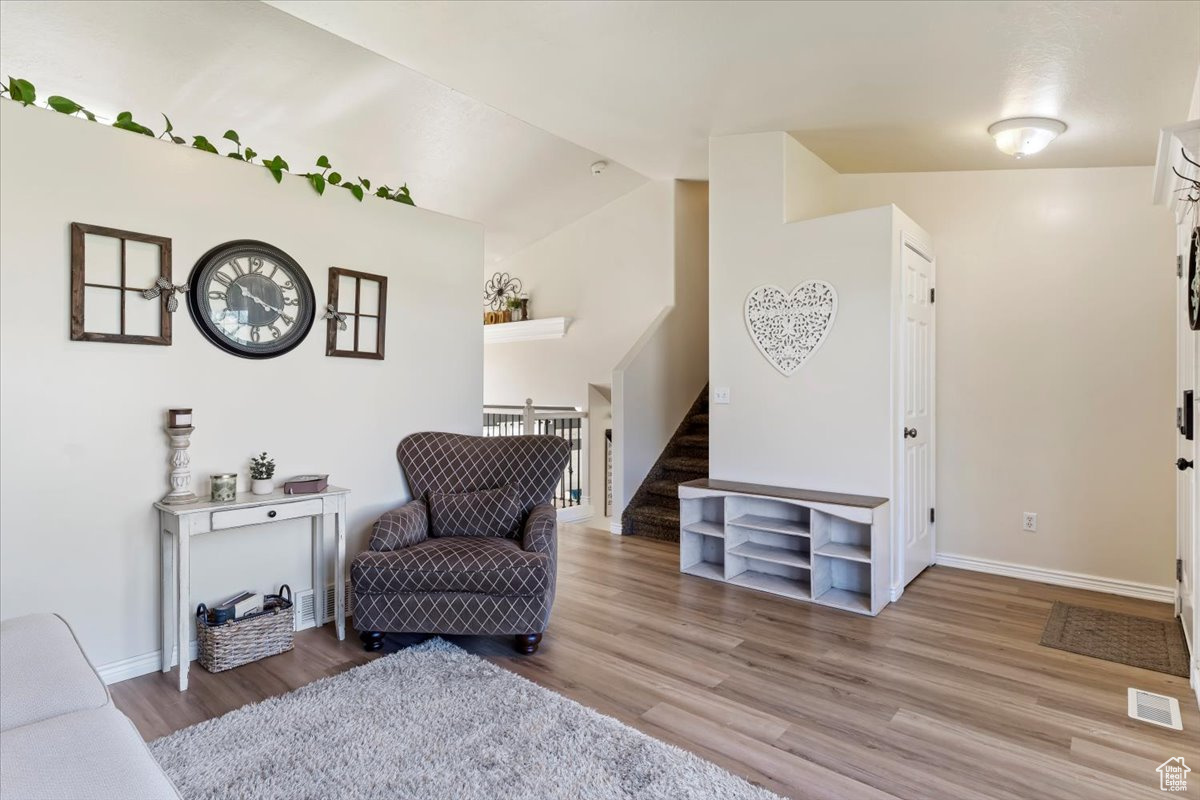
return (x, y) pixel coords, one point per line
(339, 575)
(318, 569)
(183, 634)
(166, 546)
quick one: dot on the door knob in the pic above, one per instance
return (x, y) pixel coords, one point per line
(1182, 464)
(911, 433)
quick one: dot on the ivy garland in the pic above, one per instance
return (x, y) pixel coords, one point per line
(23, 92)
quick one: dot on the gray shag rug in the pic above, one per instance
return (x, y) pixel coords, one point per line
(432, 722)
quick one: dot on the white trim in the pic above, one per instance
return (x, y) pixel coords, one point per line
(896, 592)
(128, 668)
(577, 513)
(548, 328)
(1057, 577)
(615, 526)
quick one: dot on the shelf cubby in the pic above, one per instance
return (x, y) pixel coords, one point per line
(841, 583)
(820, 547)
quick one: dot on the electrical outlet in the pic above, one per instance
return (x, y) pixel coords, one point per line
(1029, 522)
(721, 395)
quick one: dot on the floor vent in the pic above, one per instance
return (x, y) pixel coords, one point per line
(304, 609)
(1157, 709)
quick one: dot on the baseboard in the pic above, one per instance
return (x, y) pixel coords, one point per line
(615, 526)
(1056, 577)
(128, 668)
(577, 513)
(897, 591)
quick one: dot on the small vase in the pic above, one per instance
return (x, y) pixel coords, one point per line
(262, 485)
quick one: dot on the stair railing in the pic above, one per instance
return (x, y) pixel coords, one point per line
(565, 421)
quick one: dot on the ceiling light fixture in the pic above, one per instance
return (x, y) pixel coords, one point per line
(1024, 136)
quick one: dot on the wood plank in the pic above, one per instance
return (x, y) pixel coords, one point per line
(945, 695)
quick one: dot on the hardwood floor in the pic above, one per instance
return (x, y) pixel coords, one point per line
(946, 694)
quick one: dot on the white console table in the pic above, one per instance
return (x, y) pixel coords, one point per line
(178, 523)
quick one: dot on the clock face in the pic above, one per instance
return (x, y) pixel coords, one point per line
(251, 299)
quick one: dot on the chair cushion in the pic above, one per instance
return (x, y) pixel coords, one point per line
(487, 512)
(43, 672)
(454, 564)
(86, 755)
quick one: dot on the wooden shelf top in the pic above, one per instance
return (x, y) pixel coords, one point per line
(762, 490)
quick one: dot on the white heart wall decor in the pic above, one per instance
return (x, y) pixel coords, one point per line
(788, 328)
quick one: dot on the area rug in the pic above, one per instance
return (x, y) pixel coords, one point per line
(432, 722)
(1144, 642)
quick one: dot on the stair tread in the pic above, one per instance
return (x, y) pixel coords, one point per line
(664, 488)
(693, 439)
(687, 463)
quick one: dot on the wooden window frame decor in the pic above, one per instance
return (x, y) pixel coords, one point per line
(79, 284)
(334, 319)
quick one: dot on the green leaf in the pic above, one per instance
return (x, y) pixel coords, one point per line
(323, 162)
(250, 154)
(382, 191)
(366, 183)
(232, 136)
(317, 181)
(125, 122)
(170, 127)
(276, 165)
(202, 143)
(178, 140)
(238, 156)
(356, 190)
(88, 114)
(63, 105)
(335, 178)
(21, 90)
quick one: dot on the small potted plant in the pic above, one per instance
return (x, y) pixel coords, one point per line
(514, 308)
(262, 474)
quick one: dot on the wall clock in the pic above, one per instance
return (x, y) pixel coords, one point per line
(1193, 281)
(251, 299)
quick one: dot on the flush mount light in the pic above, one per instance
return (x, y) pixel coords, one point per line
(1024, 136)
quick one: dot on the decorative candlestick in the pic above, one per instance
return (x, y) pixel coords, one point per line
(181, 465)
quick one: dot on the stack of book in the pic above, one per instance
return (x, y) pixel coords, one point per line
(236, 607)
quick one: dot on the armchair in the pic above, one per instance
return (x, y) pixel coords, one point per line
(474, 551)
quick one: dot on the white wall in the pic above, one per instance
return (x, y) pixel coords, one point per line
(84, 454)
(633, 279)
(611, 273)
(660, 377)
(797, 430)
(1055, 343)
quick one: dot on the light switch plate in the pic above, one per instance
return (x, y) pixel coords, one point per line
(721, 395)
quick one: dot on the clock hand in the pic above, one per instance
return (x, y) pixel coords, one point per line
(265, 305)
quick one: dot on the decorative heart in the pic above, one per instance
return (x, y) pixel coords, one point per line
(788, 328)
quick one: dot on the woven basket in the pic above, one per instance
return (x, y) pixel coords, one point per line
(254, 636)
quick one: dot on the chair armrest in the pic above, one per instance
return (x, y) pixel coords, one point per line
(401, 527)
(540, 534)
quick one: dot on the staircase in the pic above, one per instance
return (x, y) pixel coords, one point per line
(654, 510)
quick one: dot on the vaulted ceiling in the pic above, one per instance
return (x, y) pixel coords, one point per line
(869, 86)
(493, 111)
(287, 87)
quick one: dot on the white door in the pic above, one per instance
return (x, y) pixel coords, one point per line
(1187, 496)
(917, 478)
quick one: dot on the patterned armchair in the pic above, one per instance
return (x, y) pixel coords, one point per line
(474, 551)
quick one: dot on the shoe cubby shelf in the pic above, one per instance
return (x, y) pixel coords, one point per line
(825, 548)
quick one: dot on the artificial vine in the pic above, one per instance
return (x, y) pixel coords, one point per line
(23, 92)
